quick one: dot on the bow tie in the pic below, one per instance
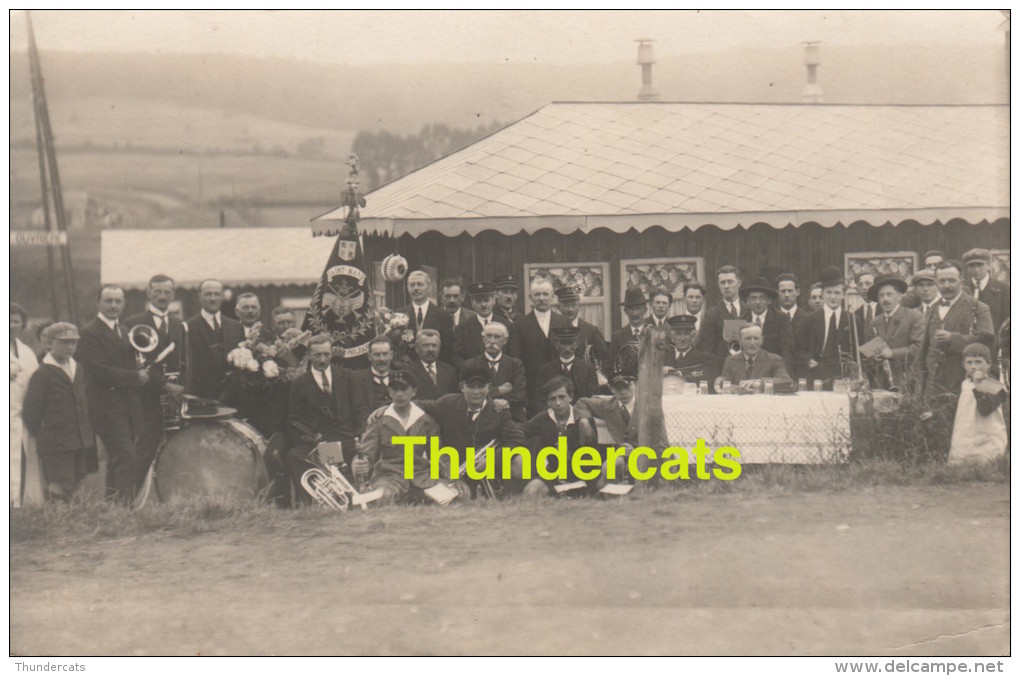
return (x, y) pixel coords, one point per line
(945, 303)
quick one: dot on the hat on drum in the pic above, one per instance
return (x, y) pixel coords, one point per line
(205, 409)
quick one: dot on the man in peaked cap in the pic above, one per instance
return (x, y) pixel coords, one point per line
(777, 334)
(827, 335)
(901, 328)
(567, 364)
(685, 360)
(507, 289)
(469, 332)
(981, 285)
(635, 306)
(591, 345)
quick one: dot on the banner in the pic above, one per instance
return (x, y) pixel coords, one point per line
(342, 303)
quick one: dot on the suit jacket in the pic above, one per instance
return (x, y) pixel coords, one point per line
(334, 416)
(904, 332)
(509, 319)
(367, 396)
(56, 410)
(813, 341)
(621, 338)
(531, 346)
(589, 336)
(208, 353)
(939, 368)
(439, 320)
(777, 335)
(766, 365)
(695, 366)
(510, 370)
(582, 375)
(711, 337)
(464, 315)
(796, 367)
(469, 336)
(541, 431)
(996, 297)
(446, 380)
(608, 409)
(111, 379)
(458, 430)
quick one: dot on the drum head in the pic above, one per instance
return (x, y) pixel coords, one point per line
(223, 460)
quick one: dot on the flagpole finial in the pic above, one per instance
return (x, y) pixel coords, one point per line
(352, 199)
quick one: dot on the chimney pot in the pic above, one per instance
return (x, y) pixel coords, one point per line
(645, 59)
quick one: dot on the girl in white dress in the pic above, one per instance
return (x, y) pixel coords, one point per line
(979, 431)
(24, 460)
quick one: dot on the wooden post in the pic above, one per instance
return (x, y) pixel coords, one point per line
(651, 356)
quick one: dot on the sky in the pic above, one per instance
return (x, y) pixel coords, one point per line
(558, 37)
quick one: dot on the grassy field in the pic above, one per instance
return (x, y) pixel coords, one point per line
(864, 560)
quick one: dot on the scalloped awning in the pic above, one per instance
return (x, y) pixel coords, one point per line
(581, 166)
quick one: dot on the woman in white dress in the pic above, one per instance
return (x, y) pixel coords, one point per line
(24, 459)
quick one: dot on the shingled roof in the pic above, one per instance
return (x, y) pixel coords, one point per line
(580, 166)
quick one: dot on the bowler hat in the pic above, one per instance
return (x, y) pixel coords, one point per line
(830, 276)
(634, 297)
(476, 374)
(886, 280)
(759, 284)
(977, 255)
(506, 282)
(567, 294)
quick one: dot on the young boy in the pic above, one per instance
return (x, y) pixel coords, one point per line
(979, 431)
(56, 412)
(546, 428)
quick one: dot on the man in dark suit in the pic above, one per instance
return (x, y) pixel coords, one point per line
(827, 337)
(868, 308)
(424, 314)
(507, 289)
(954, 323)
(469, 333)
(788, 289)
(114, 384)
(451, 293)
(580, 373)
(166, 375)
(370, 387)
(685, 360)
(529, 337)
(991, 292)
(777, 336)
(913, 297)
(623, 346)
(694, 305)
(211, 336)
(901, 328)
(712, 338)
(591, 346)
(321, 405)
(508, 380)
(433, 378)
(752, 362)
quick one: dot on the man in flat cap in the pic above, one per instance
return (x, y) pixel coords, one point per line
(901, 328)
(507, 288)
(777, 335)
(912, 298)
(580, 373)
(684, 359)
(591, 345)
(924, 291)
(981, 285)
(828, 338)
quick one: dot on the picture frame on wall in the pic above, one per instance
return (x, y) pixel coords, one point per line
(670, 274)
(590, 281)
(903, 264)
(999, 267)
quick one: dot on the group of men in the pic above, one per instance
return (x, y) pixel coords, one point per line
(485, 372)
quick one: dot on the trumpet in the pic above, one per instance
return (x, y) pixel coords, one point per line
(490, 492)
(144, 339)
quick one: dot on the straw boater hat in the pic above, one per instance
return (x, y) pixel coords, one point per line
(757, 284)
(886, 280)
(634, 297)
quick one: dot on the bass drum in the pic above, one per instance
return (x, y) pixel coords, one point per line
(218, 459)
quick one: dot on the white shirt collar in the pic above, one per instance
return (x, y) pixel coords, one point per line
(544, 318)
(983, 283)
(156, 312)
(493, 359)
(893, 313)
(317, 375)
(70, 368)
(735, 304)
(952, 302)
(828, 313)
(762, 315)
(112, 323)
(376, 374)
(208, 317)
(416, 413)
(570, 420)
(567, 362)
(423, 365)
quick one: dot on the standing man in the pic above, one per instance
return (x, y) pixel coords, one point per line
(469, 332)
(925, 290)
(913, 297)
(777, 336)
(508, 381)
(789, 290)
(507, 289)
(815, 300)
(694, 305)
(868, 309)
(249, 312)
(529, 337)
(591, 346)
(424, 314)
(901, 328)
(623, 346)
(659, 301)
(684, 359)
(451, 292)
(211, 336)
(166, 376)
(114, 386)
(728, 308)
(991, 292)
(827, 336)
(432, 378)
(281, 319)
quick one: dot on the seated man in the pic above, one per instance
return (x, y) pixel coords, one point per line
(684, 360)
(383, 460)
(432, 378)
(580, 372)
(507, 372)
(546, 428)
(369, 386)
(752, 363)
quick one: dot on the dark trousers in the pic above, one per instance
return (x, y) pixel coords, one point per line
(121, 461)
(149, 438)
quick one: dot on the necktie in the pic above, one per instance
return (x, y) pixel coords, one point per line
(830, 337)
(729, 309)
(945, 303)
(757, 320)
(325, 382)
(566, 367)
(625, 414)
(116, 329)
(868, 314)
(379, 380)
(420, 317)
(977, 290)
(750, 364)
(215, 324)
(485, 322)
(474, 414)
(493, 367)
(432, 373)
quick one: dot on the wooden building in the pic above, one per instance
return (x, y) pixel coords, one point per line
(602, 195)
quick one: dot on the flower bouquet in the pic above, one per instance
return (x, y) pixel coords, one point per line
(259, 364)
(397, 327)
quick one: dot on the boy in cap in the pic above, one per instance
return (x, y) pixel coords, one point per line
(983, 287)
(828, 338)
(580, 373)
(56, 412)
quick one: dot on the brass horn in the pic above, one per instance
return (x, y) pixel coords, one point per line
(143, 339)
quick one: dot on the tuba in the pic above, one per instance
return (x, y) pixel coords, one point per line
(144, 339)
(330, 488)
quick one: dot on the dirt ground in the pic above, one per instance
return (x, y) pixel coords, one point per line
(889, 570)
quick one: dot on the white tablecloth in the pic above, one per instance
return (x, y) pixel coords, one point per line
(809, 427)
